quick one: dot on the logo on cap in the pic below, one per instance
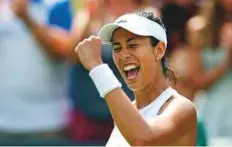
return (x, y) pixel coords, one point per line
(122, 21)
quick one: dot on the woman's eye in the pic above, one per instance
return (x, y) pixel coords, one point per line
(116, 49)
(133, 45)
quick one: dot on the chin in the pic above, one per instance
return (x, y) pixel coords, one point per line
(135, 86)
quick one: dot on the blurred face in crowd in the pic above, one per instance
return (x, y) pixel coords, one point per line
(119, 7)
(226, 4)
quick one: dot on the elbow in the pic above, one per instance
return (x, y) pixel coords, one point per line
(61, 52)
(58, 54)
(60, 47)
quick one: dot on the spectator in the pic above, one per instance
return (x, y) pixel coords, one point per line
(90, 117)
(33, 87)
(218, 19)
(208, 69)
(187, 55)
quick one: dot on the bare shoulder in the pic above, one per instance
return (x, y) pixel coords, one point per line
(184, 103)
(181, 110)
(178, 120)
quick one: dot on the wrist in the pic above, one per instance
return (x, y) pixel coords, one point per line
(94, 64)
(104, 79)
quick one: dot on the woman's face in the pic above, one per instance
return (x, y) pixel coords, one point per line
(135, 58)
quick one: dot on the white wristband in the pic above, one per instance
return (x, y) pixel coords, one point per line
(104, 79)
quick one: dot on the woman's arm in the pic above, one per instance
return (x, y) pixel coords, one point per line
(161, 130)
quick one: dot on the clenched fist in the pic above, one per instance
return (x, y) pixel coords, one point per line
(89, 52)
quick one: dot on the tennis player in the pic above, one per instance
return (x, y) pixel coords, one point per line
(159, 115)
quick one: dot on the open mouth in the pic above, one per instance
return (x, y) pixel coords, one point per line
(131, 71)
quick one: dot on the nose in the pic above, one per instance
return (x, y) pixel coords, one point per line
(125, 54)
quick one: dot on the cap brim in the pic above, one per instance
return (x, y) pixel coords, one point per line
(106, 32)
(135, 24)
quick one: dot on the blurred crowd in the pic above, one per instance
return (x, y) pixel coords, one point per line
(47, 97)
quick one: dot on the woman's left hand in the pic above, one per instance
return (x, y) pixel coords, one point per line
(89, 52)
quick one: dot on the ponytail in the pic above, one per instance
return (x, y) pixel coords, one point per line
(169, 73)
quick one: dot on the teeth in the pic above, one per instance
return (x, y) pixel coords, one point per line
(130, 67)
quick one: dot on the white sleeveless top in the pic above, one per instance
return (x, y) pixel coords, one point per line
(151, 110)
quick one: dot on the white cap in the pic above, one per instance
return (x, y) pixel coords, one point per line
(135, 24)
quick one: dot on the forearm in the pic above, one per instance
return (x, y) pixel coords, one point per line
(55, 42)
(127, 118)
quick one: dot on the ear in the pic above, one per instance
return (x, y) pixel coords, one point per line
(159, 50)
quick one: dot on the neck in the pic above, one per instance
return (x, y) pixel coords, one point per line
(149, 93)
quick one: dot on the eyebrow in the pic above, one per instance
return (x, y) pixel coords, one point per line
(128, 40)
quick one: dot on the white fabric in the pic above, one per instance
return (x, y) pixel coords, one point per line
(148, 112)
(104, 79)
(33, 88)
(135, 24)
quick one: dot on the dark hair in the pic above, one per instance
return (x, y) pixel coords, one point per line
(167, 72)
